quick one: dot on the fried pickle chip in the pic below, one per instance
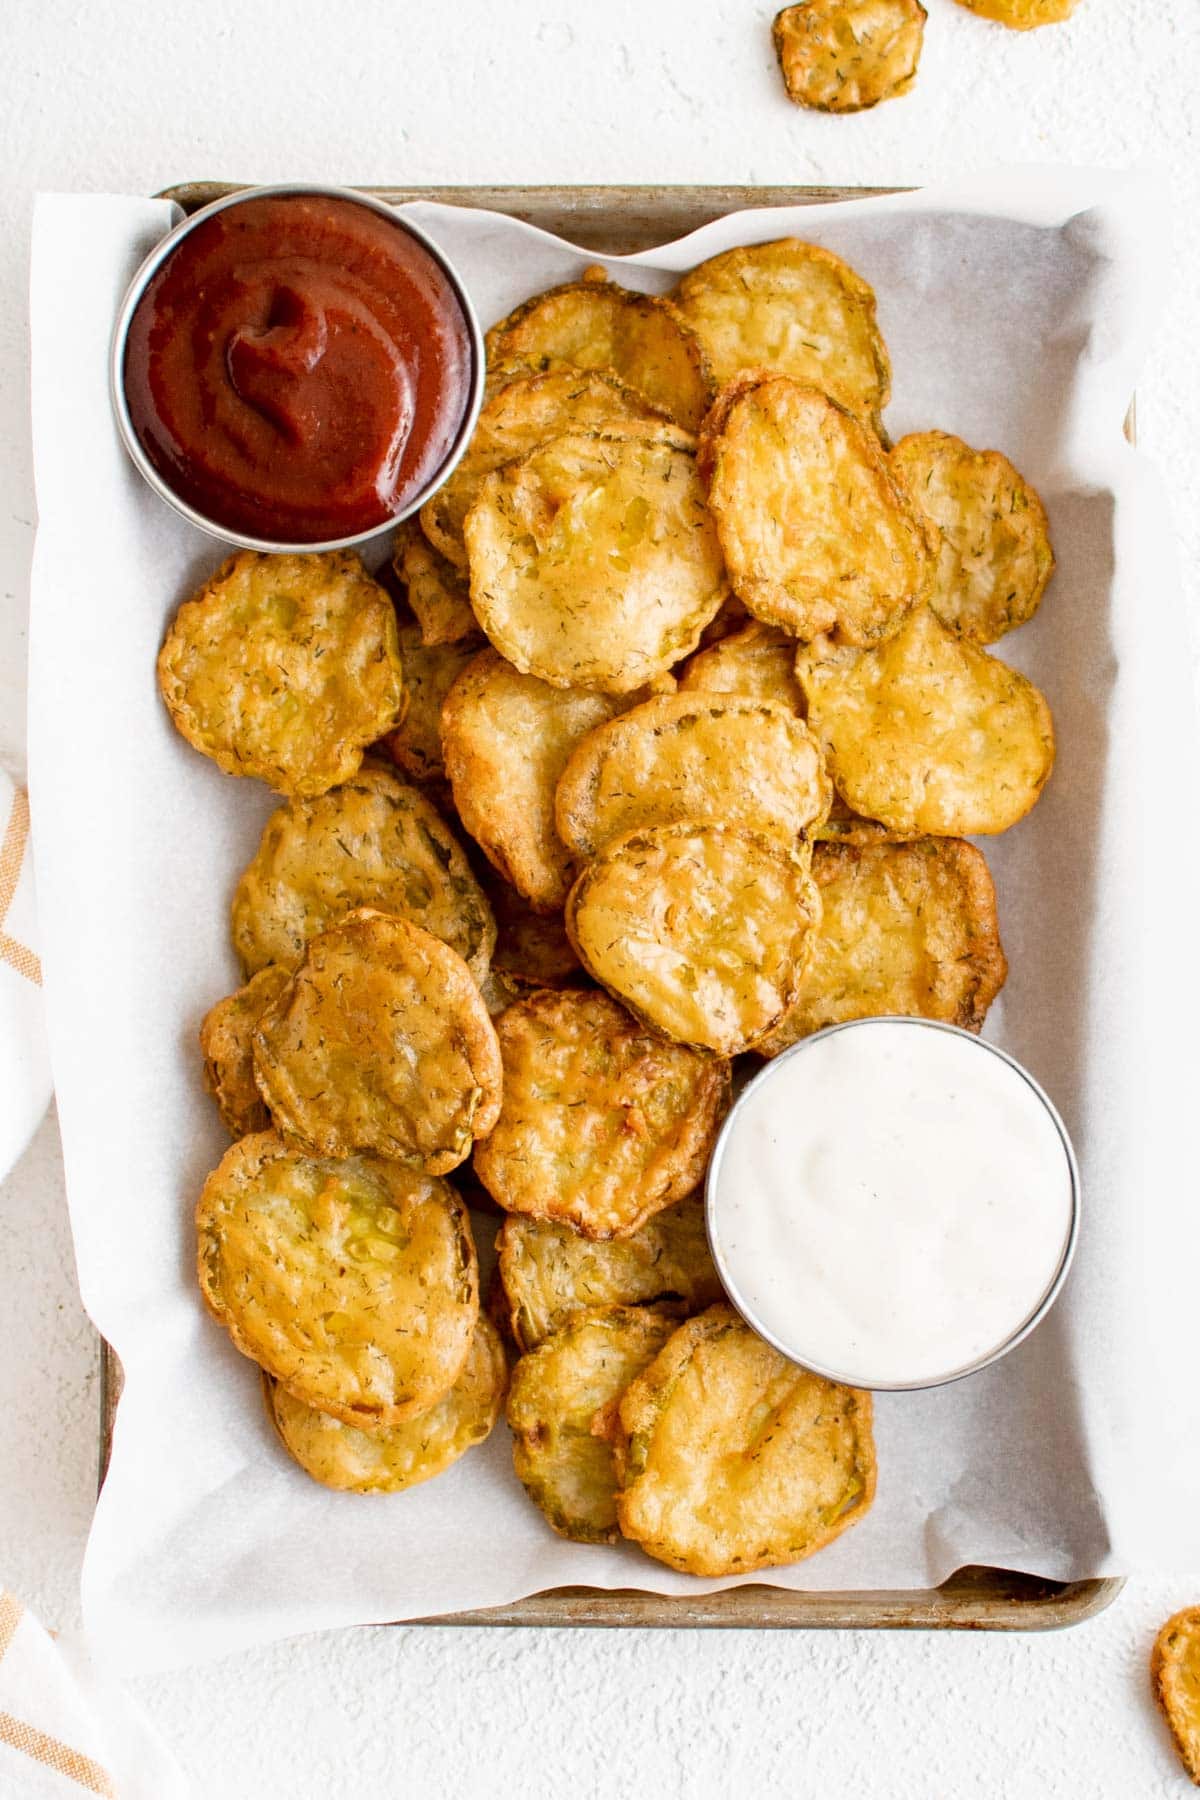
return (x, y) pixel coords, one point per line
(548, 1271)
(373, 842)
(525, 413)
(353, 1282)
(558, 1406)
(843, 56)
(845, 826)
(731, 1458)
(1175, 1676)
(994, 557)
(703, 931)
(225, 1044)
(596, 324)
(928, 733)
(385, 1461)
(506, 739)
(795, 308)
(532, 948)
(708, 758)
(438, 593)
(284, 667)
(905, 929)
(380, 1042)
(758, 661)
(594, 561)
(430, 671)
(1022, 15)
(818, 535)
(602, 1124)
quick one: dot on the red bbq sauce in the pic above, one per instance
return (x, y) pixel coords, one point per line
(298, 369)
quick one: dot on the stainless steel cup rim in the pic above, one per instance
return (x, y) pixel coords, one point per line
(154, 261)
(791, 1351)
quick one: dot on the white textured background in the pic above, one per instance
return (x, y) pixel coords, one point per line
(123, 96)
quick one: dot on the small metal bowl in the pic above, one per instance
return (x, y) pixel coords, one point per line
(791, 1351)
(154, 262)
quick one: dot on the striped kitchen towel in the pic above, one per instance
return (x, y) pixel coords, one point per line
(65, 1731)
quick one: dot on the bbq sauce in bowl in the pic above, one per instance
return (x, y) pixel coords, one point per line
(299, 368)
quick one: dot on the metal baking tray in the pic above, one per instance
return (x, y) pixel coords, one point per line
(616, 221)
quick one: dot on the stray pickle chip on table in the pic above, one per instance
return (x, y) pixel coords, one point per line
(1022, 15)
(700, 757)
(548, 1271)
(928, 733)
(817, 533)
(381, 1041)
(595, 561)
(375, 842)
(846, 55)
(905, 929)
(715, 713)
(284, 667)
(602, 1123)
(559, 1402)
(352, 1281)
(384, 1461)
(730, 1458)
(430, 671)
(227, 1046)
(795, 309)
(596, 324)
(1175, 1677)
(993, 557)
(704, 931)
(529, 411)
(506, 738)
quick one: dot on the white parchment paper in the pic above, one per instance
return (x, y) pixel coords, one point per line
(1017, 312)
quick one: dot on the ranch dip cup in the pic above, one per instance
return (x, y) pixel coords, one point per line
(893, 1203)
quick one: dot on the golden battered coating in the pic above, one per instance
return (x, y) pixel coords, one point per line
(817, 533)
(594, 561)
(703, 931)
(794, 308)
(845, 826)
(928, 733)
(757, 660)
(381, 1042)
(1175, 1678)
(507, 738)
(1022, 15)
(843, 56)
(374, 842)
(596, 324)
(532, 948)
(993, 557)
(386, 1461)
(284, 667)
(905, 929)
(429, 674)
(709, 758)
(558, 1406)
(352, 1281)
(732, 1459)
(601, 1124)
(438, 593)
(528, 411)
(548, 1271)
(225, 1044)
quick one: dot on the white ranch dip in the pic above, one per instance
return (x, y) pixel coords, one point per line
(890, 1203)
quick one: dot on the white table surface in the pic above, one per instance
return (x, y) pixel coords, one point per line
(118, 95)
